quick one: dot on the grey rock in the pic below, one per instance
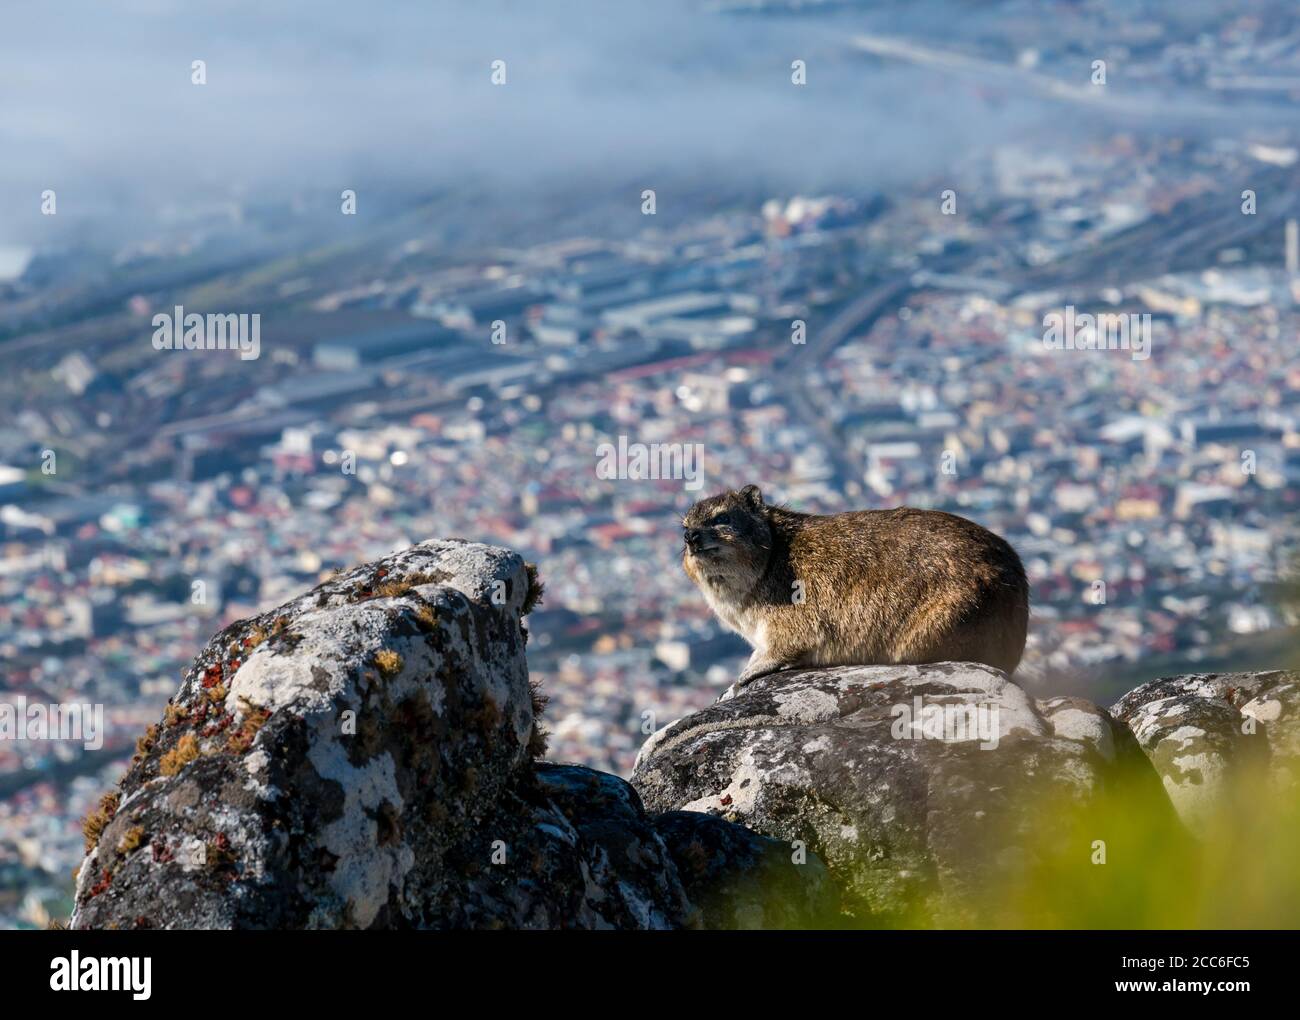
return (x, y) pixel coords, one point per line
(740, 879)
(567, 847)
(321, 760)
(364, 757)
(1206, 732)
(914, 828)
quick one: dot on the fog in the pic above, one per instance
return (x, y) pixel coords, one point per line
(99, 105)
(307, 98)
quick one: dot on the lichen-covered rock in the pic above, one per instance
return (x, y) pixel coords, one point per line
(924, 788)
(740, 879)
(364, 757)
(319, 760)
(1205, 731)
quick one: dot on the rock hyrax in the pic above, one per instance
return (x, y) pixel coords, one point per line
(867, 587)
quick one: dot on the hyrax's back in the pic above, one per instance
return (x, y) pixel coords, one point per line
(910, 586)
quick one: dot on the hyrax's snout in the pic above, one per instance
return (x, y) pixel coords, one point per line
(703, 541)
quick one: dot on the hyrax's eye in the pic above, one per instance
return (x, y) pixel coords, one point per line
(722, 518)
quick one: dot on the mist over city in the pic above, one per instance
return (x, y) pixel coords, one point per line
(288, 288)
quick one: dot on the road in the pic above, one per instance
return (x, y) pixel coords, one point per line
(797, 367)
(1110, 97)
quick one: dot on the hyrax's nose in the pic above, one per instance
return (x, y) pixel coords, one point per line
(693, 537)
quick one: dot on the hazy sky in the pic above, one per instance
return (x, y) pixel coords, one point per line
(316, 95)
(96, 99)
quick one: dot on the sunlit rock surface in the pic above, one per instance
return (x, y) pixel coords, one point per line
(926, 789)
(1202, 731)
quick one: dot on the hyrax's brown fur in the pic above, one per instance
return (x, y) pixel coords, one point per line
(868, 587)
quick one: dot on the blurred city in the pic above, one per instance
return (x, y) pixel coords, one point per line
(451, 365)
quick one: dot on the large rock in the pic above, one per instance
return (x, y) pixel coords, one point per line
(320, 760)
(1207, 734)
(919, 819)
(364, 757)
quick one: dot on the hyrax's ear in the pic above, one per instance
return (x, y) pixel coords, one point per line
(752, 495)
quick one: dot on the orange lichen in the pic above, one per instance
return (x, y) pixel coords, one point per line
(241, 738)
(185, 751)
(144, 744)
(131, 841)
(400, 586)
(255, 636)
(94, 824)
(388, 662)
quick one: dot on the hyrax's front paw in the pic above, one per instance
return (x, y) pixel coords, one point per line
(754, 670)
